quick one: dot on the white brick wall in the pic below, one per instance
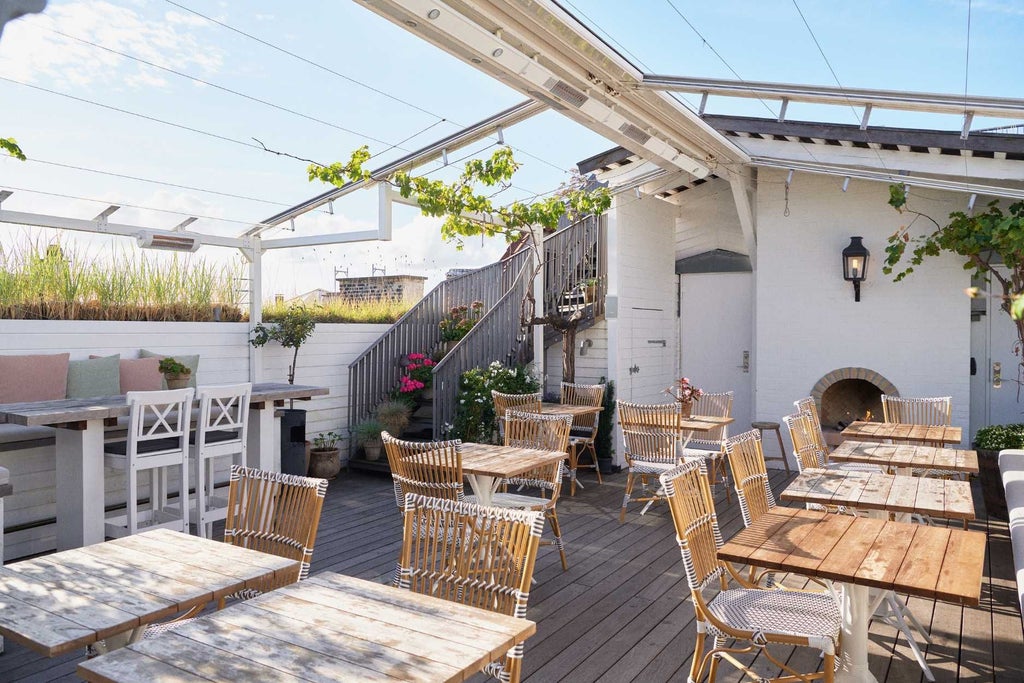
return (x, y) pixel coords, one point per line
(708, 220)
(916, 333)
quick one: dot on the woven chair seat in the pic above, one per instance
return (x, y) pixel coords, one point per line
(853, 467)
(814, 616)
(515, 501)
(156, 630)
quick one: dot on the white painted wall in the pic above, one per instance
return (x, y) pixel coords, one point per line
(223, 358)
(707, 220)
(589, 368)
(916, 333)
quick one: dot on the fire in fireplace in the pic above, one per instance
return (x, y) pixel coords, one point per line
(849, 400)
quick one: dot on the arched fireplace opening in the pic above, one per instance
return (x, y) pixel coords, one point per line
(849, 394)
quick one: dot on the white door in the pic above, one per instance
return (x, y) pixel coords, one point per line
(1001, 370)
(649, 365)
(716, 337)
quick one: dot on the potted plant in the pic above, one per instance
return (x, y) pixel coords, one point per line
(684, 392)
(291, 330)
(176, 374)
(325, 456)
(459, 321)
(393, 416)
(590, 290)
(367, 435)
(988, 442)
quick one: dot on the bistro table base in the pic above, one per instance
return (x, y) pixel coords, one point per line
(856, 611)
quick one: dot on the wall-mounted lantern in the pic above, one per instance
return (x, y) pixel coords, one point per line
(855, 264)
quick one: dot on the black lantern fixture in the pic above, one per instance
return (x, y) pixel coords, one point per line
(855, 264)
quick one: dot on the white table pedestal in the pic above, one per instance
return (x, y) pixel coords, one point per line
(856, 609)
(484, 487)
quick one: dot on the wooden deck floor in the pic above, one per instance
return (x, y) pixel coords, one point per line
(619, 613)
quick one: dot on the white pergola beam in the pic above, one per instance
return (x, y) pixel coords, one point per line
(318, 240)
(119, 229)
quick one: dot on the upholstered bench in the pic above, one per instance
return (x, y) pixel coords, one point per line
(1011, 466)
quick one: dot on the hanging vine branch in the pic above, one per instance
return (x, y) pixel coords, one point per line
(467, 207)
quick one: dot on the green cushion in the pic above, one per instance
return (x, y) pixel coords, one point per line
(190, 362)
(94, 377)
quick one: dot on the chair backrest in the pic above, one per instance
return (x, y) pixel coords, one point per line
(749, 475)
(526, 403)
(474, 555)
(808, 407)
(224, 408)
(653, 445)
(431, 468)
(545, 432)
(274, 513)
(644, 415)
(713, 405)
(805, 446)
(583, 395)
(693, 514)
(157, 416)
(918, 411)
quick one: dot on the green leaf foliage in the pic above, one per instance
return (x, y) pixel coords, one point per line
(474, 413)
(998, 437)
(11, 147)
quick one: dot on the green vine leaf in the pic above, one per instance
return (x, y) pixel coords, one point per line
(11, 147)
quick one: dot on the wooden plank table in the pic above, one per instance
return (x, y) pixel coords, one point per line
(80, 425)
(933, 562)
(65, 601)
(903, 457)
(568, 409)
(882, 431)
(883, 492)
(686, 426)
(327, 628)
(486, 465)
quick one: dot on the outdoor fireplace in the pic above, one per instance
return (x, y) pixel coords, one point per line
(849, 394)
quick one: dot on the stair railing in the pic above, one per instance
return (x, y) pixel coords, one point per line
(574, 257)
(498, 336)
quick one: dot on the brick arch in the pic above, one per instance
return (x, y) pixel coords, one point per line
(859, 375)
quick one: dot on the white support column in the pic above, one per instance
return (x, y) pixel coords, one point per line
(80, 486)
(384, 217)
(255, 258)
(744, 193)
(263, 441)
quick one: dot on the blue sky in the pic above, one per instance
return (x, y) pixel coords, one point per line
(918, 46)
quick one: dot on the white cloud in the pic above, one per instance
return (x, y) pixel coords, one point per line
(32, 52)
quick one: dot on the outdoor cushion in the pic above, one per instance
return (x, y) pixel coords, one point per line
(33, 378)
(191, 362)
(140, 374)
(1011, 467)
(94, 377)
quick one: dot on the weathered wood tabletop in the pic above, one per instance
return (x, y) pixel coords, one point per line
(882, 431)
(71, 410)
(568, 409)
(489, 460)
(877, 491)
(327, 628)
(692, 423)
(928, 561)
(61, 602)
(905, 455)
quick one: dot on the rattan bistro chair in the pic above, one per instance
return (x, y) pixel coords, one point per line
(711, 443)
(666, 416)
(525, 403)
(760, 617)
(486, 560)
(649, 451)
(549, 433)
(273, 513)
(430, 468)
(918, 411)
(584, 428)
(750, 475)
(808, 407)
(806, 451)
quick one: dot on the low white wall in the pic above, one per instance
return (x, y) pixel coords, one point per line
(223, 350)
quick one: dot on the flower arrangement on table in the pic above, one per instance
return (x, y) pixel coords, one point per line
(460, 320)
(418, 377)
(684, 392)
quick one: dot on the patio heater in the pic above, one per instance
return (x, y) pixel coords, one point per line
(855, 264)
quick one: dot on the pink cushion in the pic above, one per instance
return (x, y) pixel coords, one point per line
(33, 378)
(140, 374)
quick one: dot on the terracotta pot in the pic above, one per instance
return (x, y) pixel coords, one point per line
(372, 450)
(324, 464)
(177, 380)
(687, 408)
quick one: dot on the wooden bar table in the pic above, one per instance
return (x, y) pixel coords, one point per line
(65, 601)
(903, 457)
(81, 424)
(486, 465)
(878, 492)
(862, 553)
(887, 431)
(328, 628)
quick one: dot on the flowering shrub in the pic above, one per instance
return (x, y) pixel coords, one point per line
(460, 321)
(683, 391)
(419, 375)
(474, 411)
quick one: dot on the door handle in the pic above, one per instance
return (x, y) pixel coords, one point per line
(974, 366)
(997, 377)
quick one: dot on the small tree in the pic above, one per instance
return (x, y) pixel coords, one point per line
(291, 330)
(468, 211)
(983, 240)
